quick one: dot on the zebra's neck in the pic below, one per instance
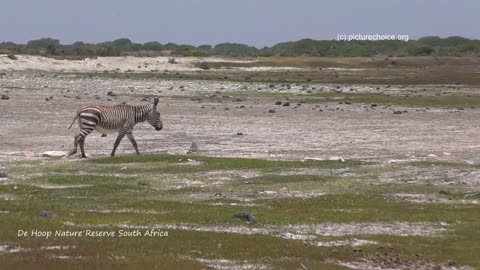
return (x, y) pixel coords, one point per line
(141, 112)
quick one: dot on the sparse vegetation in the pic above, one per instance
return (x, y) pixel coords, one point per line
(451, 46)
(98, 202)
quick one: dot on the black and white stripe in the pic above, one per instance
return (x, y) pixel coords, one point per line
(118, 118)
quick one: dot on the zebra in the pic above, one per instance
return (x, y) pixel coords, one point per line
(118, 118)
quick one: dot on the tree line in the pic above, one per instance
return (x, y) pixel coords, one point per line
(432, 45)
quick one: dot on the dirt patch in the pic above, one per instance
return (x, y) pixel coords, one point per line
(394, 262)
(351, 131)
(437, 175)
(310, 232)
(222, 264)
(353, 242)
(131, 211)
(429, 198)
(62, 186)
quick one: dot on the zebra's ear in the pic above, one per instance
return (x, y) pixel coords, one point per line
(155, 101)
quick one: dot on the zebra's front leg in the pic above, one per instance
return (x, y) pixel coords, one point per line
(134, 143)
(120, 136)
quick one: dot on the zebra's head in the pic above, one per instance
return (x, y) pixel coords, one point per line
(153, 117)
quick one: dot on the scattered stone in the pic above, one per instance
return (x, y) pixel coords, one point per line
(444, 192)
(47, 214)
(278, 103)
(104, 135)
(48, 99)
(397, 112)
(246, 217)
(5, 97)
(193, 148)
(271, 111)
(204, 66)
(339, 159)
(373, 105)
(240, 134)
(96, 207)
(143, 183)
(111, 93)
(54, 154)
(3, 175)
(286, 104)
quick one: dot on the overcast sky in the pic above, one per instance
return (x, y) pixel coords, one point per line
(254, 22)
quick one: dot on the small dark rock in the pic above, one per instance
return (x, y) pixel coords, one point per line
(444, 192)
(95, 207)
(286, 104)
(271, 111)
(246, 217)
(373, 105)
(111, 93)
(143, 183)
(5, 97)
(204, 66)
(193, 148)
(240, 133)
(397, 112)
(3, 175)
(47, 214)
(278, 103)
(104, 135)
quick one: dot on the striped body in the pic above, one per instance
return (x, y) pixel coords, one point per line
(118, 118)
(110, 119)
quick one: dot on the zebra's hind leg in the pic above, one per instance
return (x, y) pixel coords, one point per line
(81, 141)
(75, 145)
(134, 143)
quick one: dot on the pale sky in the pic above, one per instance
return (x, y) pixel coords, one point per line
(254, 22)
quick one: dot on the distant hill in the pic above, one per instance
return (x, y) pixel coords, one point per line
(432, 45)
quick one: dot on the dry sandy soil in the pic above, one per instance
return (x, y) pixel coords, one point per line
(32, 125)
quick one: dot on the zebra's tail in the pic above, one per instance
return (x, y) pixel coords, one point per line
(76, 116)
